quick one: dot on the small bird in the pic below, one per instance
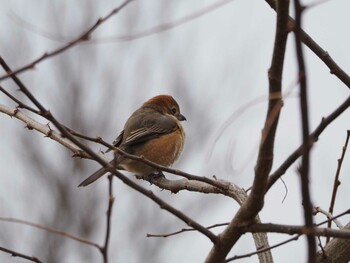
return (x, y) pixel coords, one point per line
(153, 131)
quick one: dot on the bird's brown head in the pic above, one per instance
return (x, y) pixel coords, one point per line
(166, 105)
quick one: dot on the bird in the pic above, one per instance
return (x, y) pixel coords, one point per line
(154, 132)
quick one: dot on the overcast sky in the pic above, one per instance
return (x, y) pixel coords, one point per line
(215, 66)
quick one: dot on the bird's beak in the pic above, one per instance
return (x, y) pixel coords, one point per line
(180, 117)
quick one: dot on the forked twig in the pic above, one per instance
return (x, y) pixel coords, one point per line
(336, 179)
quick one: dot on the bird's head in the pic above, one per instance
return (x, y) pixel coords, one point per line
(166, 105)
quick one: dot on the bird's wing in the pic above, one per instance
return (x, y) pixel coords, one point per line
(119, 139)
(151, 126)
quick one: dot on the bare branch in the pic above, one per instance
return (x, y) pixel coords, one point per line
(47, 115)
(336, 178)
(337, 250)
(20, 255)
(328, 215)
(184, 230)
(305, 161)
(85, 36)
(44, 129)
(318, 50)
(50, 229)
(313, 137)
(165, 26)
(104, 249)
(296, 237)
(292, 229)
(255, 200)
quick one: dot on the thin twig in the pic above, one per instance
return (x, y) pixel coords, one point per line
(328, 215)
(50, 230)
(20, 103)
(85, 36)
(262, 250)
(313, 137)
(184, 230)
(104, 249)
(20, 255)
(336, 179)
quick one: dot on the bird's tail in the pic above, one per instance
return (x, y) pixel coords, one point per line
(96, 175)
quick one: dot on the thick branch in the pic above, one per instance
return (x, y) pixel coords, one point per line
(312, 139)
(305, 161)
(255, 200)
(337, 250)
(318, 50)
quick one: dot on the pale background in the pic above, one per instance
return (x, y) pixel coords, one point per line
(213, 66)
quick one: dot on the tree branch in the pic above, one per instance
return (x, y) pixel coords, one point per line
(313, 137)
(318, 50)
(336, 179)
(20, 255)
(305, 161)
(255, 200)
(104, 249)
(50, 230)
(83, 37)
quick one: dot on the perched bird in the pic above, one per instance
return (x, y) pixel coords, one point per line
(153, 131)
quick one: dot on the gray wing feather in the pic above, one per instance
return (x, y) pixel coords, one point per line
(151, 126)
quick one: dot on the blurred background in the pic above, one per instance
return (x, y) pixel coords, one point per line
(216, 68)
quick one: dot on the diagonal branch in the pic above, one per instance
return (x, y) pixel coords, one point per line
(313, 137)
(65, 133)
(20, 255)
(336, 178)
(317, 49)
(255, 200)
(50, 230)
(83, 37)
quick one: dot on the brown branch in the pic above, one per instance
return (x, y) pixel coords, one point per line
(50, 230)
(20, 103)
(184, 230)
(305, 161)
(328, 215)
(255, 200)
(165, 26)
(65, 133)
(85, 36)
(262, 250)
(336, 178)
(296, 237)
(20, 255)
(337, 250)
(221, 184)
(104, 249)
(292, 229)
(318, 50)
(313, 137)
(218, 186)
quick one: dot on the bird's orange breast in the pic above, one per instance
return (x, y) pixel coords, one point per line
(164, 150)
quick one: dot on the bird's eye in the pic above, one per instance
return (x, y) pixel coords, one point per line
(174, 110)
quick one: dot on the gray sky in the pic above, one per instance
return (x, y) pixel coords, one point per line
(213, 65)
